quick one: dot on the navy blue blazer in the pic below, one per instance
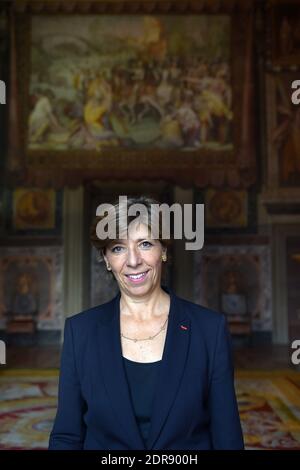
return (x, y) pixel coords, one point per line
(194, 407)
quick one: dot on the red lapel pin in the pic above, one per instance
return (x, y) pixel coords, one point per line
(183, 327)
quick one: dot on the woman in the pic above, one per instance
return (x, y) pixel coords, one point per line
(147, 370)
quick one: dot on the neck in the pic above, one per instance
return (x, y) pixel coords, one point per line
(146, 307)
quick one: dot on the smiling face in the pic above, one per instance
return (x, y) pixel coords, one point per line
(136, 261)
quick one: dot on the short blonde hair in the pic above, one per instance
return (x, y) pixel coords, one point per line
(118, 218)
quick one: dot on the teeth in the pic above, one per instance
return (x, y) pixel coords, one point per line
(136, 276)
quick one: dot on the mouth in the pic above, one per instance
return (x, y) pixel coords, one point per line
(138, 277)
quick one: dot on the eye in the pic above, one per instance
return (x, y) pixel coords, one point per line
(116, 249)
(146, 244)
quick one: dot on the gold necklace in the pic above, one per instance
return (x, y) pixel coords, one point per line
(150, 337)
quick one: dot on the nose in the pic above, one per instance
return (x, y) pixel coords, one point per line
(133, 257)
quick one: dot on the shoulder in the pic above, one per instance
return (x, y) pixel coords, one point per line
(208, 326)
(207, 319)
(88, 318)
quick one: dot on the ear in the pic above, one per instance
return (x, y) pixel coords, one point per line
(104, 255)
(108, 267)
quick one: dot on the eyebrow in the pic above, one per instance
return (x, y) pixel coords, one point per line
(120, 240)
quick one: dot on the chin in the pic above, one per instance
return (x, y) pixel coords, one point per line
(140, 290)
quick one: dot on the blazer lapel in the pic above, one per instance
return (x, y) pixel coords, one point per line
(171, 368)
(114, 375)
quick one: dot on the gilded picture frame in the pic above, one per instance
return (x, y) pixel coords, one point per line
(194, 112)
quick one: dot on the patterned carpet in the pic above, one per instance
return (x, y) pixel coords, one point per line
(269, 404)
(28, 401)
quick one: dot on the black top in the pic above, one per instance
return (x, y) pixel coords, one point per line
(141, 378)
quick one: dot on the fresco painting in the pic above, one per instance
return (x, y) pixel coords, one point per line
(136, 82)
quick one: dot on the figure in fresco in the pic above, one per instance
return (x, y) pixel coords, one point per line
(286, 37)
(98, 105)
(171, 131)
(33, 208)
(233, 300)
(291, 148)
(42, 118)
(164, 89)
(189, 122)
(154, 42)
(286, 136)
(225, 207)
(24, 303)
